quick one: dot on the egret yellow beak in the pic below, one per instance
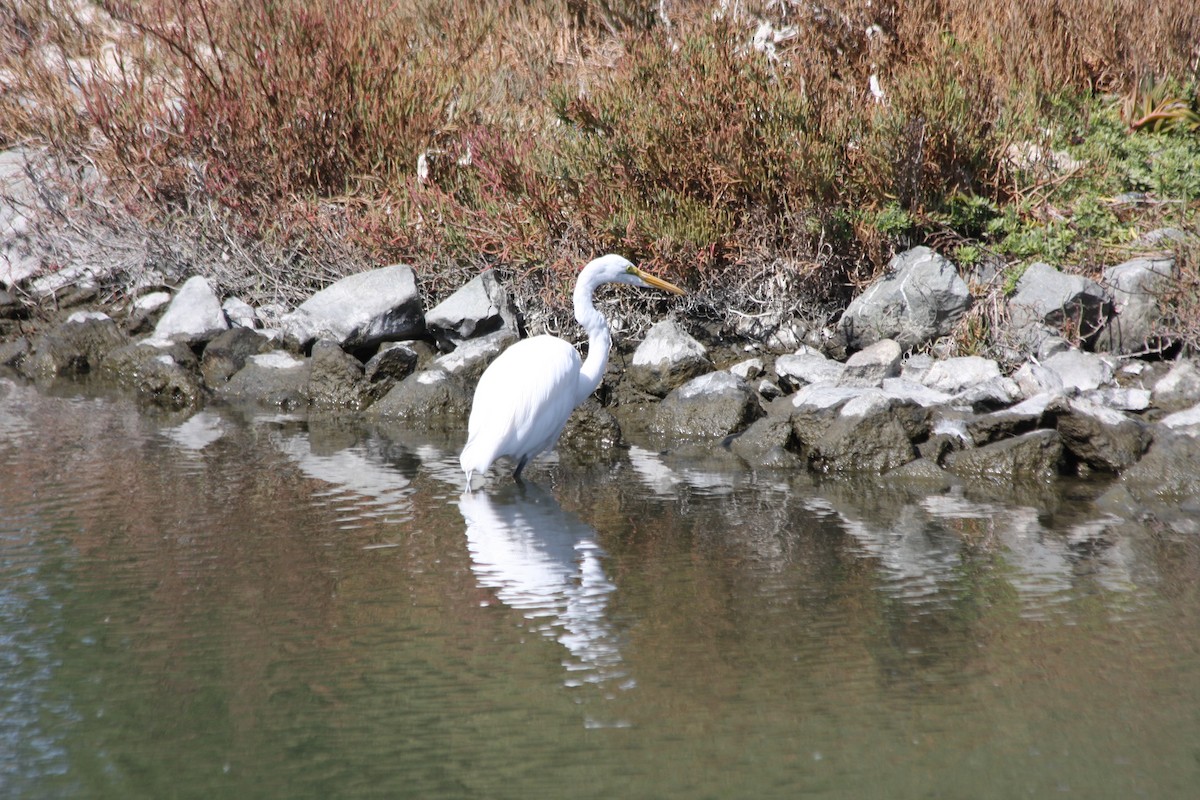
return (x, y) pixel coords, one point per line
(656, 282)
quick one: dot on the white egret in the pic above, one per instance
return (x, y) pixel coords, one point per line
(525, 396)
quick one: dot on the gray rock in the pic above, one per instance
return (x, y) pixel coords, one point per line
(1050, 345)
(1021, 418)
(193, 316)
(916, 367)
(747, 370)
(667, 358)
(923, 472)
(13, 352)
(165, 375)
(1079, 370)
(1045, 296)
(909, 391)
(275, 379)
(239, 313)
(1161, 237)
(1121, 398)
(807, 367)
(768, 390)
(1102, 438)
(361, 310)
(1169, 472)
(591, 428)
(1185, 422)
(712, 405)
(920, 299)
(818, 397)
(871, 365)
(441, 393)
(1037, 455)
(990, 395)
(394, 362)
(227, 353)
(868, 435)
(1136, 287)
(1178, 389)
(480, 307)
(336, 380)
(953, 375)
(1034, 379)
(769, 442)
(76, 347)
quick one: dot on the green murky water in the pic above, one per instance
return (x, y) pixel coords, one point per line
(233, 606)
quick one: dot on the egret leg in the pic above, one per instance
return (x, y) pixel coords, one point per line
(520, 466)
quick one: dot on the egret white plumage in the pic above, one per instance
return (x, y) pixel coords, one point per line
(526, 395)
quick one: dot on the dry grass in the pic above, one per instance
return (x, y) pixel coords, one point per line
(723, 143)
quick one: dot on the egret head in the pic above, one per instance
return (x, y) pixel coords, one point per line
(617, 269)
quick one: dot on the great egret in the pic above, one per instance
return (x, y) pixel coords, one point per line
(525, 396)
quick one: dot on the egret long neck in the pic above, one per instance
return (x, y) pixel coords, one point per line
(599, 340)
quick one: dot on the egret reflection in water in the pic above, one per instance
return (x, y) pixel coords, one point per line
(545, 563)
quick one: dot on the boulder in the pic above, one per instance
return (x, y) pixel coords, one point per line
(821, 397)
(164, 375)
(806, 367)
(1037, 455)
(920, 299)
(871, 365)
(995, 393)
(239, 313)
(769, 442)
(276, 378)
(748, 370)
(1136, 287)
(394, 362)
(712, 405)
(76, 347)
(1079, 370)
(1186, 421)
(1102, 438)
(867, 435)
(591, 428)
(908, 391)
(441, 393)
(1034, 379)
(954, 375)
(194, 315)
(1045, 296)
(227, 353)
(667, 358)
(361, 310)
(1178, 389)
(335, 379)
(479, 307)
(1019, 419)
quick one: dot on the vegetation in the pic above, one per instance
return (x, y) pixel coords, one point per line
(758, 152)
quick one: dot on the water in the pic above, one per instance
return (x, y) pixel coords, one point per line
(239, 605)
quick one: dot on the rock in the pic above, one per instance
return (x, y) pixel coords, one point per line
(227, 353)
(768, 390)
(825, 396)
(1035, 455)
(908, 391)
(1079, 370)
(1178, 389)
(866, 436)
(1100, 437)
(194, 315)
(807, 367)
(1161, 237)
(1169, 471)
(20, 171)
(76, 347)
(747, 370)
(276, 379)
(712, 405)
(923, 472)
(1034, 379)
(591, 428)
(441, 393)
(480, 307)
(1021, 418)
(954, 375)
(1121, 398)
(394, 362)
(769, 442)
(916, 367)
(998, 392)
(151, 302)
(1186, 422)
(1136, 287)
(871, 365)
(361, 310)
(335, 379)
(239, 313)
(920, 299)
(1045, 296)
(12, 352)
(667, 358)
(164, 375)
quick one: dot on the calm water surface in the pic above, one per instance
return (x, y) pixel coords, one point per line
(238, 605)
